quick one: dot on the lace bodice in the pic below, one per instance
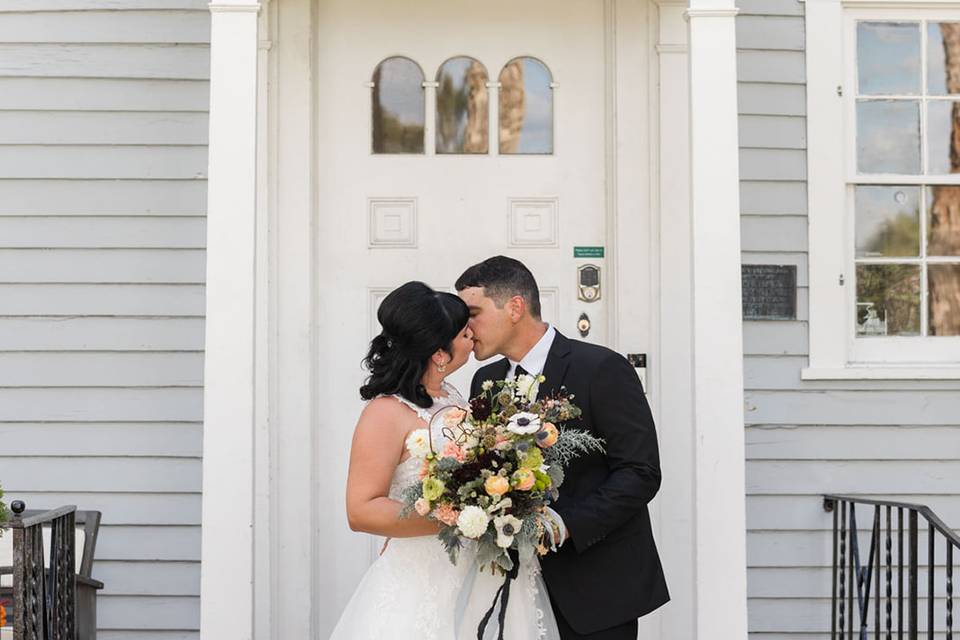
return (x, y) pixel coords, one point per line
(413, 590)
(408, 471)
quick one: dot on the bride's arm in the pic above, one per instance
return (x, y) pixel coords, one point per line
(378, 444)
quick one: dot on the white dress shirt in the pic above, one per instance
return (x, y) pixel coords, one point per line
(533, 363)
(536, 358)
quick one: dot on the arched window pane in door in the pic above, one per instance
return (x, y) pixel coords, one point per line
(398, 106)
(526, 107)
(462, 107)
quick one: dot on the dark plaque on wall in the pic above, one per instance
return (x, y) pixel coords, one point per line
(769, 291)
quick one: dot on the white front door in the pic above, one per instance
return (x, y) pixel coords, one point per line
(504, 145)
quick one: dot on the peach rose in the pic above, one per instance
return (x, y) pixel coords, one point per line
(496, 485)
(422, 506)
(547, 436)
(524, 479)
(451, 450)
(454, 416)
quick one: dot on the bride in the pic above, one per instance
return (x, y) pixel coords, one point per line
(413, 591)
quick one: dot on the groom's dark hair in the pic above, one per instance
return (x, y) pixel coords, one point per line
(502, 278)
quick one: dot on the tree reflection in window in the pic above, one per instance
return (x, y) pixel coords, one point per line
(398, 106)
(943, 228)
(526, 107)
(907, 234)
(463, 106)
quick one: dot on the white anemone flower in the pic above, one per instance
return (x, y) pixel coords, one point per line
(473, 521)
(507, 527)
(524, 423)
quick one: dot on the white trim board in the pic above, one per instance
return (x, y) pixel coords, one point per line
(869, 372)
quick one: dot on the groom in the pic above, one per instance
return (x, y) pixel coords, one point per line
(606, 572)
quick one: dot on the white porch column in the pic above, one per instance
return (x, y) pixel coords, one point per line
(226, 591)
(719, 501)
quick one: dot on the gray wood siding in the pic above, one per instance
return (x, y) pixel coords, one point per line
(898, 439)
(103, 134)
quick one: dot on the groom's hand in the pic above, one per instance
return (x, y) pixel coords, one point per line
(554, 531)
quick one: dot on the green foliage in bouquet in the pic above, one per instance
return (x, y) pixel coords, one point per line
(501, 463)
(4, 513)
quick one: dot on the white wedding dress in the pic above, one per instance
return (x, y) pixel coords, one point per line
(413, 591)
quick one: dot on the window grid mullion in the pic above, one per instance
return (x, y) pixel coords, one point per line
(925, 160)
(924, 194)
(950, 179)
(890, 260)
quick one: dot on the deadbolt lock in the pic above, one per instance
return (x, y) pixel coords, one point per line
(583, 325)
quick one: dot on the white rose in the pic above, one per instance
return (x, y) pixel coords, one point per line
(524, 423)
(507, 527)
(470, 442)
(473, 521)
(525, 386)
(418, 443)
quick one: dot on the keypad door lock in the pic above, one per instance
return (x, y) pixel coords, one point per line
(588, 283)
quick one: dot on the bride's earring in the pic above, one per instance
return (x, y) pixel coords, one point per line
(441, 368)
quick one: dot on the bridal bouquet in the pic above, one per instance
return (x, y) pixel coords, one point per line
(4, 514)
(501, 464)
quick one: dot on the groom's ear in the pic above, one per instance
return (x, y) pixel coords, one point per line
(517, 307)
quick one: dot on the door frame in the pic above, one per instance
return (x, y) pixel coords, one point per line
(277, 571)
(287, 574)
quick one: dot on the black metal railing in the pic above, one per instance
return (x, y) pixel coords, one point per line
(44, 593)
(890, 612)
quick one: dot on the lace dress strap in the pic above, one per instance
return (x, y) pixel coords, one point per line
(452, 399)
(423, 414)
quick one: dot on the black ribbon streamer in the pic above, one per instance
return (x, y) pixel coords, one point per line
(503, 591)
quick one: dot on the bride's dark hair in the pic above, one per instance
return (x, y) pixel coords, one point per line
(416, 321)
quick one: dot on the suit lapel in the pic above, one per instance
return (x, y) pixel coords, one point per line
(555, 369)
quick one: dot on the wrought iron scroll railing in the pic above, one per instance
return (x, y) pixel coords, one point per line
(44, 593)
(891, 592)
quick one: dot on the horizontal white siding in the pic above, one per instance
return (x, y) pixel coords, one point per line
(17, 6)
(103, 133)
(106, 27)
(63, 198)
(896, 439)
(102, 94)
(58, 60)
(103, 127)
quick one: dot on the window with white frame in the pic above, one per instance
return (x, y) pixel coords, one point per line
(892, 286)
(906, 203)
(462, 102)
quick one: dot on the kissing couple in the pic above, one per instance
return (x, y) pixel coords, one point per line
(603, 571)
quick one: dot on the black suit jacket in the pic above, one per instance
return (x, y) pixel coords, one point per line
(608, 572)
